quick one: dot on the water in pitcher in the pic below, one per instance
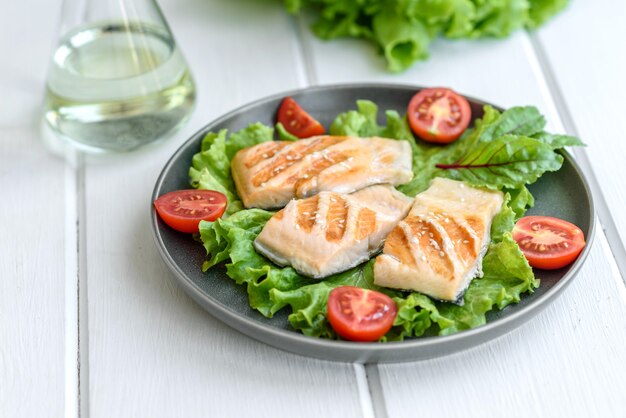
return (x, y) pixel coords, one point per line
(115, 86)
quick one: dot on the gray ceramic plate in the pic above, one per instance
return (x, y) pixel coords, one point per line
(564, 194)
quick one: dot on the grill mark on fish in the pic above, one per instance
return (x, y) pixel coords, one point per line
(366, 223)
(386, 158)
(307, 213)
(432, 244)
(280, 214)
(293, 155)
(463, 237)
(322, 163)
(265, 153)
(397, 245)
(336, 218)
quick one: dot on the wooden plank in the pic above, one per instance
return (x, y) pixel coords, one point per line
(545, 365)
(152, 351)
(26, 56)
(33, 274)
(32, 268)
(588, 67)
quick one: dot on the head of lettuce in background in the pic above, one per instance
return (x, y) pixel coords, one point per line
(403, 29)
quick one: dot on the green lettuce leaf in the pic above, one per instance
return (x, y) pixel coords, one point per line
(499, 18)
(403, 29)
(508, 161)
(521, 200)
(542, 10)
(308, 303)
(341, 18)
(210, 168)
(283, 135)
(360, 122)
(402, 40)
(232, 239)
(558, 141)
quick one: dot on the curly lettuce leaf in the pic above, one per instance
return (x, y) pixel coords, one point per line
(308, 303)
(342, 18)
(404, 29)
(542, 10)
(360, 122)
(498, 19)
(210, 168)
(232, 239)
(402, 40)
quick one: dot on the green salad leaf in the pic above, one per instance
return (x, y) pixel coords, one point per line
(542, 10)
(232, 239)
(403, 40)
(514, 139)
(404, 29)
(508, 161)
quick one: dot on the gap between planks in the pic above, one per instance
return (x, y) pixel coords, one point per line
(371, 397)
(556, 101)
(76, 335)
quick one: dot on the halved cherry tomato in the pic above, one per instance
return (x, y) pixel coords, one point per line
(297, 121)
(439, 115)
(360, 315)
(548, 243)
(184, 209)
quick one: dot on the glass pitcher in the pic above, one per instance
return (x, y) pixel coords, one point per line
(117, 78)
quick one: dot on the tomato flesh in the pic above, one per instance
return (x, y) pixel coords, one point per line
(184, 209)
(548, 243)
(297, 121)
(439, 115)
(359, 314)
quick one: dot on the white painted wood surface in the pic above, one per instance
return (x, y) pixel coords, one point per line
(32, 275)
(32, 257)
(590, 78)
(148, 350)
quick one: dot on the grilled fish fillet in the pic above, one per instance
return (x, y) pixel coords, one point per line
(332, 232)
(438, 248)
(270, 174)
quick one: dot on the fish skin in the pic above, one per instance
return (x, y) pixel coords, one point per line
(332, 232)
(270, 174)
(438, 248)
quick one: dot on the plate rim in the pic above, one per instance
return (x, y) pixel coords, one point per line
(347, 349)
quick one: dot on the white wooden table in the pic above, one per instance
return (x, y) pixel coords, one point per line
(91, 324)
